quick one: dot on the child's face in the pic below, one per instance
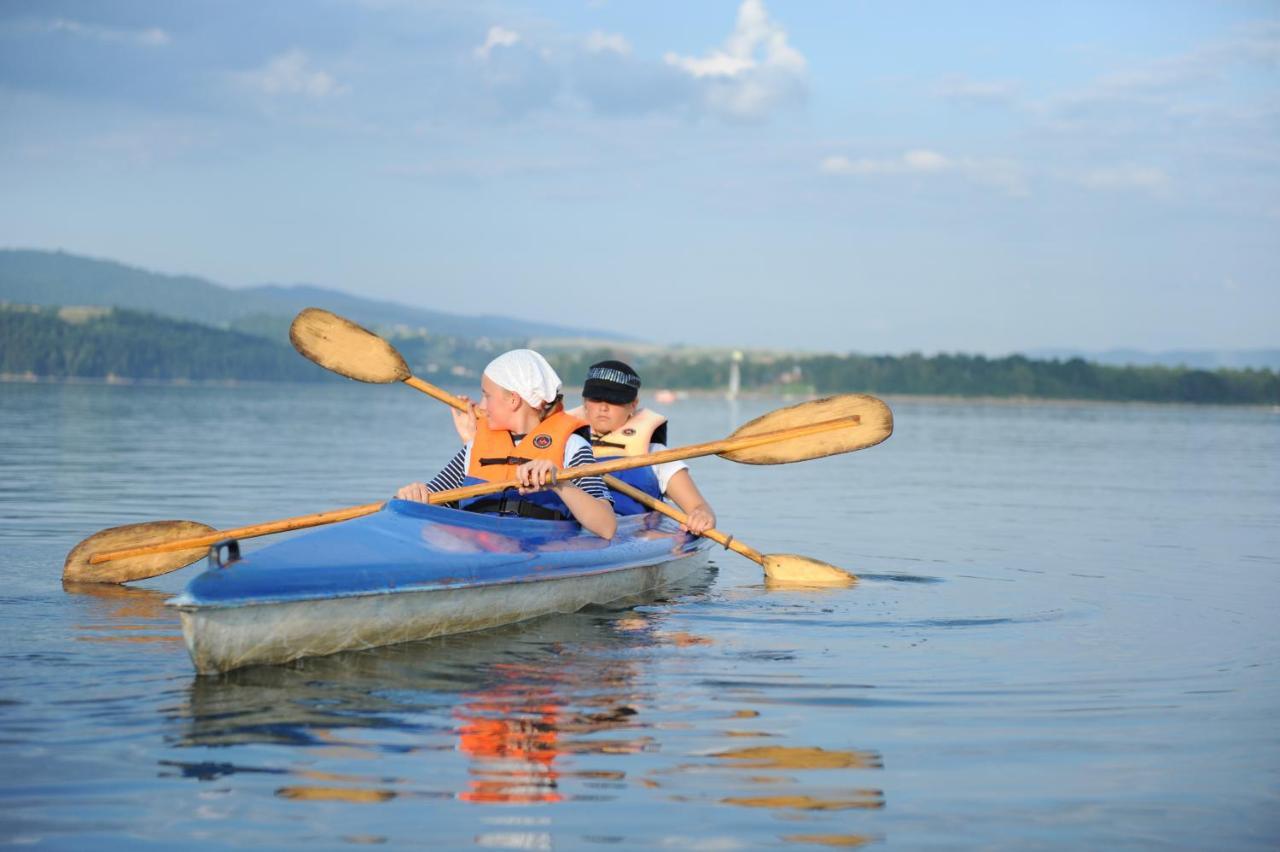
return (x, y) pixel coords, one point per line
(498, 404)
(606, 417)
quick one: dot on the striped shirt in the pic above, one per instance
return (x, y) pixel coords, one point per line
(577, 452)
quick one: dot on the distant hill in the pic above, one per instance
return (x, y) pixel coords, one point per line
(1199, 359)
(32, 277)
(120, 344)
(112, 343)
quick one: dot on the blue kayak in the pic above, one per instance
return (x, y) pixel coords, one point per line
(413, 571)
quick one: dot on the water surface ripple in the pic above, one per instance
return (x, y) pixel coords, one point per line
(1059, 641)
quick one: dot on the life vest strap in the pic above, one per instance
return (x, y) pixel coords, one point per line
(505, 460)
(512, 504)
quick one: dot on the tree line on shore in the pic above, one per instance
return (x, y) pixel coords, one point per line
(115, 343)
(953, 375)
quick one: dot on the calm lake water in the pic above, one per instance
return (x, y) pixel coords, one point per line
(1064, 637)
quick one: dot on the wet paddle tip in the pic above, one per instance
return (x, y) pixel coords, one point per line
(788, 570)
(78, 569)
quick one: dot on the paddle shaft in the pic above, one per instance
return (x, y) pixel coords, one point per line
(680, 517)
(299, 522)
(710, 448)
(725, 445)
(433, 391)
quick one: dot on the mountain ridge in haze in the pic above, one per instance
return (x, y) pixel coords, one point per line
(38, 277)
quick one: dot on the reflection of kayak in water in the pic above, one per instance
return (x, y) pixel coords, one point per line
(413, 571)
(585, 658)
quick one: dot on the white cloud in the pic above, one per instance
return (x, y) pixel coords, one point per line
(911, 162)
(1144, 178)
(1006, 175)
(1169, 88)
(497, 37)
(150, 37)
(754, 70)
(925, 161)
(716, 65)
(1207, 63)
(598, 42)
(291, 74)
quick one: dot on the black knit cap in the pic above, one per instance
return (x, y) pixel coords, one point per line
(611, 381)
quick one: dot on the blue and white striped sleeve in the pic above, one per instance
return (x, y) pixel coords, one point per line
(577, 452)
(453, 474)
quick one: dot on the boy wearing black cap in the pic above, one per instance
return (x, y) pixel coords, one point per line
(620, 427)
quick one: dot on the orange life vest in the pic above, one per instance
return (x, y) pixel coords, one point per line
(495, 457)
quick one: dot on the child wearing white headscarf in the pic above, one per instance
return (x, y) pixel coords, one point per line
(522, 395)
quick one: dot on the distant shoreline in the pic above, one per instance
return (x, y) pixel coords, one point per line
(698, 393)
(124, 381)
(955, 399)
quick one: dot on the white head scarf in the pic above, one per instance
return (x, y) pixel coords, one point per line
(526, 373)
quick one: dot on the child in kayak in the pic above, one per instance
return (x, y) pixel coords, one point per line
(521, 431)
(620, 427)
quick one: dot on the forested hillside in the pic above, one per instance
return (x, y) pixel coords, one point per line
(116, 343)
(107, 343)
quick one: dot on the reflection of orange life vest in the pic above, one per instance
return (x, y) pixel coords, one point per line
(495, 456)
(632, 438)
(513, 753)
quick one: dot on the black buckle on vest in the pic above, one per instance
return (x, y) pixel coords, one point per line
(514, 504)
(600, 442)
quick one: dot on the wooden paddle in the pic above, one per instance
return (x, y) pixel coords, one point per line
(781, 568)
(77, 568)
(350, 350)
(809, 430)
(340, 345)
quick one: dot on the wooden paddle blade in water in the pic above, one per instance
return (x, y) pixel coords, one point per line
(78, 570)
(874, 424)
(791, 570)
(340, 345)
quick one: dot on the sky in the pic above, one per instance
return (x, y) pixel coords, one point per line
(982, 177)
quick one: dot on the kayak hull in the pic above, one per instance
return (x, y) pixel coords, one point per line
(223, 639)
(413, 572)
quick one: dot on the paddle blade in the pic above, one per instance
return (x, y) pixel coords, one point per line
(788, 569)
(875, 423)
(350, 350)
(78, 570)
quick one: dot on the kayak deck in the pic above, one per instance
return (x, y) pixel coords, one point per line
(413, 571)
